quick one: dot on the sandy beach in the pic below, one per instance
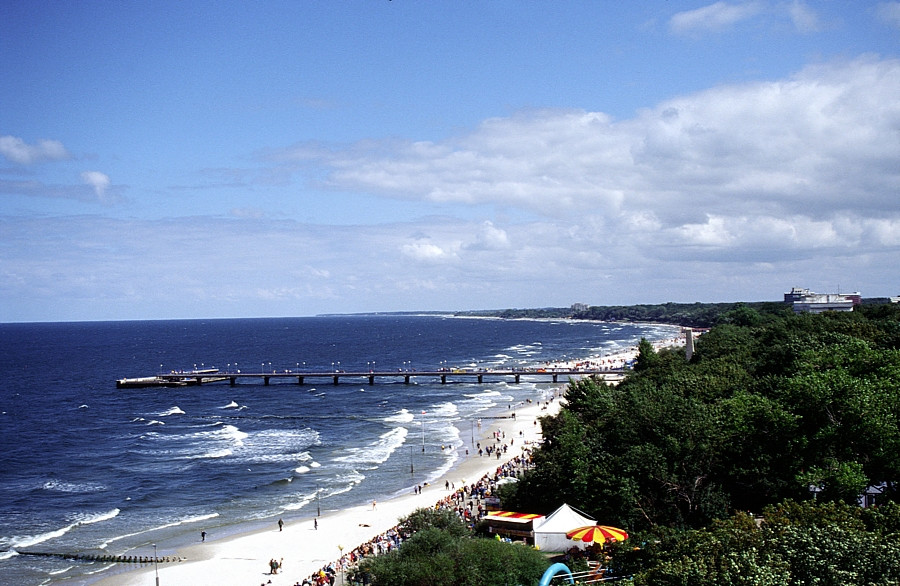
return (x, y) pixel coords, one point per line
(303, 548)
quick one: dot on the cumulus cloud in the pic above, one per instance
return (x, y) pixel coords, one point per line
(714, 17)
(490, 237)
(805, 164)
(18, 151)
(98, 181)
(427, 252)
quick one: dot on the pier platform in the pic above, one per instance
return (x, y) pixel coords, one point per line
(205, 376)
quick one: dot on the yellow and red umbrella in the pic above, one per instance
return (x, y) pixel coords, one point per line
(597, 534)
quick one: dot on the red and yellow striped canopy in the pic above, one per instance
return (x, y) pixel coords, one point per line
(597, 534)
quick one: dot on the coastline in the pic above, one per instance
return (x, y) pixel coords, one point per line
(307, 544)
(243, 558)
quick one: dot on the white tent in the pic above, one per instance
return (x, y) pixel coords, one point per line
(550, 535)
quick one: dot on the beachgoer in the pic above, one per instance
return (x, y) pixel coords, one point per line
(280, 524)
(315, 524)
(373, 505)
(203, 536)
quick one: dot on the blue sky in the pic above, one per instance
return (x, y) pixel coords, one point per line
(241, 159)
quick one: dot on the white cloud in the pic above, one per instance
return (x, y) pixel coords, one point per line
(804, 17)
(889, 13)
(490, 237)
(98, 181)
(18, 151)
(714, 17)
(427, 252)
(818, 144)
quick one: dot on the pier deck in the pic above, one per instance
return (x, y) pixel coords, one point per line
(212, 375)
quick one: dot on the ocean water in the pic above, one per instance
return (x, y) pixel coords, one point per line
(87, 468)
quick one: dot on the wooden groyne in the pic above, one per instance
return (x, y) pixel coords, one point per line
(98, 557)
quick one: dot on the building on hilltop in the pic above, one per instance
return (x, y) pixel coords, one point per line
(804, 300)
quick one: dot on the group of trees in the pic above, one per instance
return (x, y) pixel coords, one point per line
(743, 465)
(773, 408)
(440, 550)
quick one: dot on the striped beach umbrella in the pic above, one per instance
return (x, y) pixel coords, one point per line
(597, 534)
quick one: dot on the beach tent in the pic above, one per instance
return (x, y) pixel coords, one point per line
(550, 534)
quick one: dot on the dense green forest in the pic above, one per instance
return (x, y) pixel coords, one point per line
(699, 315)
(777, 416)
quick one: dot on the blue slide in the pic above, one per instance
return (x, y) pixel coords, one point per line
(553, 571)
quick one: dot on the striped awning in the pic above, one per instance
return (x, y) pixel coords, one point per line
(512, 516)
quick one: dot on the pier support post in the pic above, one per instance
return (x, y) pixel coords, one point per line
(480, 377)
(554, 378)
(406, 379)
(299, 380)
(371, 379)
(517, 379)
(266, 380)
(232, 380)
(443, 379)
(336, 378)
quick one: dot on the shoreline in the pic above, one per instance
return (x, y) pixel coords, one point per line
(307, 544)
(242, 557)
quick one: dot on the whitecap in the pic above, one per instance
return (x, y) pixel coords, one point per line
(231, 405)
(301, 469)
(186, 520)
(377, 452)
(156, 422)
(82, 406)
(62, 486)
(176, 410)
(402, 416)
(79, 519)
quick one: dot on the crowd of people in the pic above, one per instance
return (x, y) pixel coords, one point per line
(467, 501)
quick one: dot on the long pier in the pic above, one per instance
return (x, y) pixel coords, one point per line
(206, 376)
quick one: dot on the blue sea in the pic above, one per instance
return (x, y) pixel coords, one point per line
(87, 468)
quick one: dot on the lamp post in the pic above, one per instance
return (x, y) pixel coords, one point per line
(156, 564)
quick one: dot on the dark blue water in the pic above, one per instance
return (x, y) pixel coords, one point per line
(88, 468)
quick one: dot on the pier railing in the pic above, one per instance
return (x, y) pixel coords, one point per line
(301, 377)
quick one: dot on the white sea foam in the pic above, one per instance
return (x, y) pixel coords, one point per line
(185, 521)
(156, 422)
(301, 469)
(62, 486)
(443, 410)
(231, 405)
(403, 416)
(79, 519)
(352, 478)
(378, 452)
(176, 410)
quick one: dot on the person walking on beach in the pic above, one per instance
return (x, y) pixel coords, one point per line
(315, 524)
(373, 505)
(280, 524)
(203, 536)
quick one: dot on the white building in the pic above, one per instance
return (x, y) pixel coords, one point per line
(804, 300)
